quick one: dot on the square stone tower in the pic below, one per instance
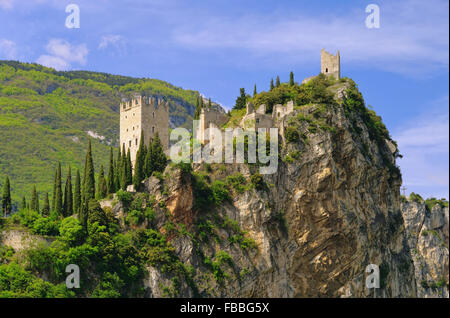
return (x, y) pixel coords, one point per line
(150, 114)
(330, 64)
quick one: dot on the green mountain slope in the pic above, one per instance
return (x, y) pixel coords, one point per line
(47, 116)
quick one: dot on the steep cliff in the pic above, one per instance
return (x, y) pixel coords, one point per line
(309, 230)
(427, 231)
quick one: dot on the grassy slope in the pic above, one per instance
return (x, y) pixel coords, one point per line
(45, 116)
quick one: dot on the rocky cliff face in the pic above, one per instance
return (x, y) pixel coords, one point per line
(309, 230)
(427, 232)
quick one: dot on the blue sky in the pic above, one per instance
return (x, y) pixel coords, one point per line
(216, 47)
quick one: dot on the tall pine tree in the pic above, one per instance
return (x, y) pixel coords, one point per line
(197, 109)
(46, 207)
(24, 204)
(123, 169)
(54, 191)
(33, 199)
(159, 159)
(89, 177)
(59, 193)
(101, 184)
(111, 182)
(129, 168)
(271, 84)
(139, 166)
(148, 159)
(77, 194)
(6, 198)
(68, 195)
(291, 79)
(254, 91)
(277, 83)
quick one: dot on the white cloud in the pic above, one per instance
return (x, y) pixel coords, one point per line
(113, 40)
(61, 54)
(412, 33)
(424, 144)
(8, 49)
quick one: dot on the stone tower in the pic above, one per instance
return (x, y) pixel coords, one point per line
(150, 114)
(330, 64)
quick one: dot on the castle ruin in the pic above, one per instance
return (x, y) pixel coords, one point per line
(147, 114)
(330, 64)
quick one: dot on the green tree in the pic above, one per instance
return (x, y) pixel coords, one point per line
(33, 199)
(46, 207)
(148, 159)
(123, 170)
(89, 178)
(111, 179)
(118, 170)
(59, 194)
(291, 79)
(271, 84)
(139, 165)
(77, 194)
(68, 195)
(102, 187)
(277, 82)
(54, 191)
(241, 100)
(6, 198)
(24, 204)
(209, 103)
(254, 91)
(159, 159)
(129, 168)
(197, 109)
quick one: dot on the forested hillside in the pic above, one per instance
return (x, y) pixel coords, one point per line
(47, 116)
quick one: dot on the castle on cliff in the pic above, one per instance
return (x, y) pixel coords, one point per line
(151, 114)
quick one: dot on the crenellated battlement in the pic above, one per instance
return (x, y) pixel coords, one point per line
(139, 101)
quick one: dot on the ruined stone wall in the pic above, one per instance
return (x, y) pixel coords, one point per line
(330, 64)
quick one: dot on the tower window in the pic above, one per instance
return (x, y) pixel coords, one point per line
(326, 70)
(153, 129)
(257, 120)
(153, 114)
(129, 143)
(133, 127)
(136, 141)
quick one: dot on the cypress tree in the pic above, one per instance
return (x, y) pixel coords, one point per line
(101, 184)
(197, 109)
(277, 83)
(6, 198)
(209, 103)
(36, 207)
(111, 180)
(77, 194)
(24, 204)
(159, 158)
(123, 170)
(271, 84)
(129, 168)
(68, 195)
(89, 180)
(254, 91)
(148, 159)
(241, 100)
(291, 79)
(33, 199)
(54, 191)
(139, 166)
(59, 193)
(46, 207)
(118, 170)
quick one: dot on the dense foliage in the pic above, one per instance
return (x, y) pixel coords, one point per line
(45, 117)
